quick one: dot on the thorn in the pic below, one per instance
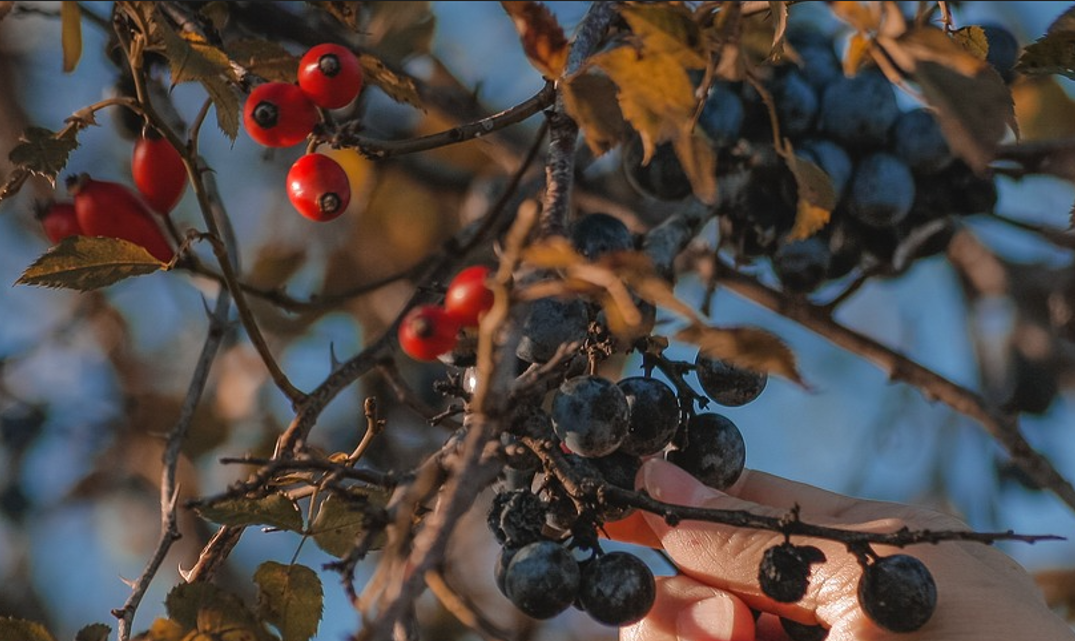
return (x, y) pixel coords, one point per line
(186, 574)
(333, 361)
(131, 583)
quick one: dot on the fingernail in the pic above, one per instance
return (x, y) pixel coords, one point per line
(710, 619)
(670, 483)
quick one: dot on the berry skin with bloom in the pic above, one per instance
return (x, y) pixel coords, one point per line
(59, 221)
(467, 297)
(330, 75)
(427, 331)
(278, 114)
(318, 187)
(110, 209)
(158, 171)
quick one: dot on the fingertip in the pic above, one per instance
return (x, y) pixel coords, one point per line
(718, 618)
(669, 483)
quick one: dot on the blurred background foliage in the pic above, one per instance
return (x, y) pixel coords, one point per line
(89, 382)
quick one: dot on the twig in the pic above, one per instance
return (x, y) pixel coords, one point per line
(563, 130)
(378, 149)
(462, 609)
(1001, 426)
(169, 491)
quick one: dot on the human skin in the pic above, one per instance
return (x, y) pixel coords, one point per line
(982, 593)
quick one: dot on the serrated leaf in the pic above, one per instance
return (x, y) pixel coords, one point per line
(973, 41)
(274, 510)
(12, 629)
(189, 56)
(590, 100)
(226, 102)
(199, 606)
(816, 196)
(340, 522)
(1053, 53)
(668, 29)
(699, 162)
(42, 153)
(346, 13)
(217, 12)
(543, 39)
(219, 623)
(94, 632)
(85, 263)
(290, 598)
(70, 34)
(747, 347)
(973, 105)
(265, 58)
(655, 93)
(397, 87)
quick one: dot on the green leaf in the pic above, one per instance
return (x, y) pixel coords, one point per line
(12, 629)
(227, 105)
(86, 263)
(290, 598)
(341, 521)
(265, 58)
(274, 510)
(747, 347)
(94, 632)
(42, 153)
(71, 34)
(187, 601)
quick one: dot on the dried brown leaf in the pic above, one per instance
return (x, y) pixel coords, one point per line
(396, 86)
(816, 196)
(555, 252)
(973, 41)
(747, 347)
(667, 28)
(268, 59)
(86, 263)
(542, 37)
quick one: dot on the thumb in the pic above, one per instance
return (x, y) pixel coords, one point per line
(719, 555)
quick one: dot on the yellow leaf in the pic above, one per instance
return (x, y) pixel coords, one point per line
(542, 37)
(973, 41)
(590, 100)
(929, 44)
(165, 630)
(863, 16)
(746, 347)
(816, 195)
(655, 94)
(669, 29)
(1044, 110)
(71, 36)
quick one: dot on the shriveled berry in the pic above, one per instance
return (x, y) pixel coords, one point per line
(898, 592)
(803, 632)
(617, 589)
(784, 571)
(517, 517)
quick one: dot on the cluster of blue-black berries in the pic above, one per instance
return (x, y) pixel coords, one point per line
(581, 432)
(899, 188)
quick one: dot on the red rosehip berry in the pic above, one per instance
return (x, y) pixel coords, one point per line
(427, 331)
(111, 209)
(59, 221)
(278, 114)
(159, 173)
(330, 75)
(318, 187)
(468, 297)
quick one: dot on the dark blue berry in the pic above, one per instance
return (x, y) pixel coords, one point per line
(796, 103)
(1004, 50)
(617, 589)
(727, 384)
(713, 450)
(722, 115)
(589, 414)
(882, 191)
(542, 579)
(802, 265)
(784, 572)
(831, 158)
(549, 324)
(920, 142)
(898, 593)
(597, 234)
(859, 111)
(653, 417)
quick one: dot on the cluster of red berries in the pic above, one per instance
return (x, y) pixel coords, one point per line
(280, 114)
(429, 331)
(102, 208)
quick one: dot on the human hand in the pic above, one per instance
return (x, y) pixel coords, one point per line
(982, 593)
